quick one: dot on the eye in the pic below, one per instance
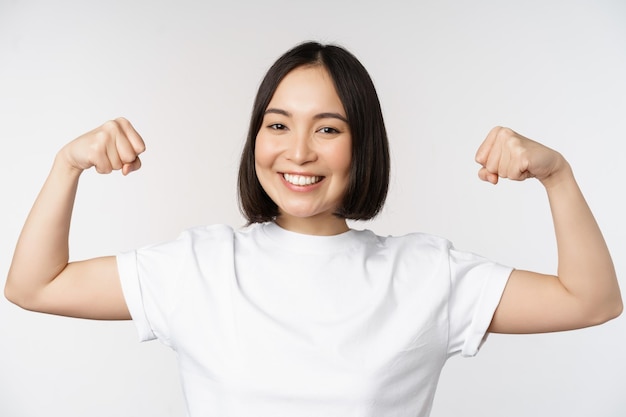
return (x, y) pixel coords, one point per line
(277, 126)
(329, 130)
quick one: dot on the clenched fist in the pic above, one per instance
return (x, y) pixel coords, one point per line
(507, 154)
(113, 146)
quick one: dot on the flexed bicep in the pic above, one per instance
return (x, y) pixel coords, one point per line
(91, 288)
(584, 291)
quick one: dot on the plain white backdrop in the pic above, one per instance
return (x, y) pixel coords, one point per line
(185, 74)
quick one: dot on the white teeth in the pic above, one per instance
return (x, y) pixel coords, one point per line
(301, 179)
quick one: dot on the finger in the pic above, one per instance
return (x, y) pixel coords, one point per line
(517, 147)
(113, 155)
(111, 147)
(487, 176)
(102, 163)
(482, 154)
(504, 162)
(125, 149)
(96, 152)
(132, 166)
(492, 164)
(135, 140)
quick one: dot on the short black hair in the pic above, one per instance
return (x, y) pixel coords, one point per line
(370, 165)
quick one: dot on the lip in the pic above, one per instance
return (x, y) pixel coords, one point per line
(301, 188)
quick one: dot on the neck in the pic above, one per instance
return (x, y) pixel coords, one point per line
(313, 226)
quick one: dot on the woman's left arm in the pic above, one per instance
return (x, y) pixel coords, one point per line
(585, 291)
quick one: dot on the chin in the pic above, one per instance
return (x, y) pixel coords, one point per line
(305, 213)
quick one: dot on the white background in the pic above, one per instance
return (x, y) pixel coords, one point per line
(185, 74)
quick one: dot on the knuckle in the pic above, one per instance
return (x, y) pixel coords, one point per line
(504, 133)
(514, 143)
(99, 144)
(503, 129)
(518, 152)
(506, 130)
(101, 136)
(111, 125)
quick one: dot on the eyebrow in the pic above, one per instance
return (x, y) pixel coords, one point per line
(325, 115)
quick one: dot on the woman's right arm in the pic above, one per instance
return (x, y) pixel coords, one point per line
(40, 277)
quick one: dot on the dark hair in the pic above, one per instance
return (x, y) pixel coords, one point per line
(369, 168)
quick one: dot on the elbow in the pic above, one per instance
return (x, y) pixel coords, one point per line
(609, 310)
(612, 313)
(617, 305)
(604, 305)
(11, 294)
(617, 310)
(18, 296)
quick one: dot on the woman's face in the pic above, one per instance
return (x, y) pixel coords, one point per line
(303, 152)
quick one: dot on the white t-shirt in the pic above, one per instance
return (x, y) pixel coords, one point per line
(267, 322)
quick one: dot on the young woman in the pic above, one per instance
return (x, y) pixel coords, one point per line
(297, 314)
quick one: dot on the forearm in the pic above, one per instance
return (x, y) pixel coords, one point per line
(585, 267)
(42, 250)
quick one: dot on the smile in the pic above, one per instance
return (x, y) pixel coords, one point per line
(301, 179)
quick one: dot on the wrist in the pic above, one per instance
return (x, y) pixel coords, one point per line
(63, 164)
(560, 174)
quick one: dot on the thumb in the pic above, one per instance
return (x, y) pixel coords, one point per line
(127, 168)
(487, 176)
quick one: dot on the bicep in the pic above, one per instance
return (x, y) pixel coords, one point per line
(88, 289)
(537, 303)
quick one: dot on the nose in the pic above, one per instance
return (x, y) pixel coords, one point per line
(301, 149)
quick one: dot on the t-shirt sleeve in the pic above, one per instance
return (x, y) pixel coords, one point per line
(476, 288)
(150, 280)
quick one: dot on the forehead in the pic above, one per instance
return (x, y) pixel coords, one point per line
(308, 88)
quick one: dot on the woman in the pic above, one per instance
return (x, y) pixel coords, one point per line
(297, 314)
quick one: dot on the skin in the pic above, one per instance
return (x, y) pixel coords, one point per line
(294, 139)
(585, 291)
(305, 134)
(91, 288)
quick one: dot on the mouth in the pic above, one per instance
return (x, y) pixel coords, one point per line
(302, 180)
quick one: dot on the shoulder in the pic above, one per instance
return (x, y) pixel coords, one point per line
(410, 241)
(207, 232)
(188, 239)
(432, 249)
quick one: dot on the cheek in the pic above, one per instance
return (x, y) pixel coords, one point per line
(266, 148)
(261, 153)
(264, 158)
(341, 157)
